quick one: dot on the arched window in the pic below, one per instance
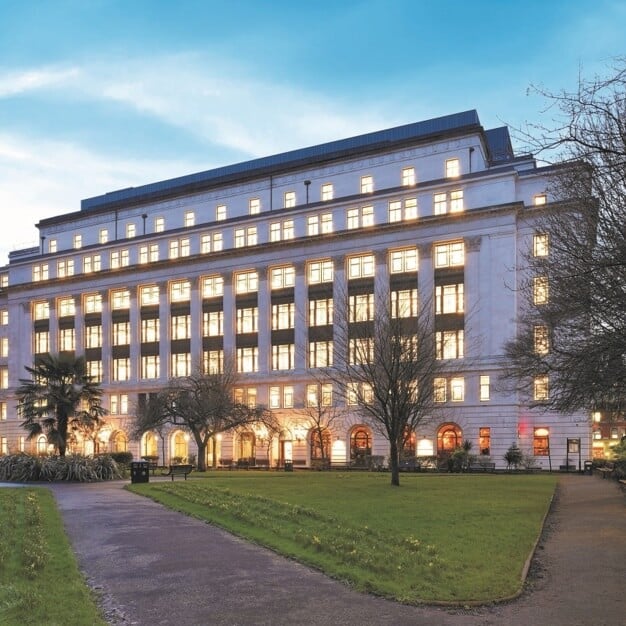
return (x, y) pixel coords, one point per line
(180, 446)
(118, 442)
(42, 444)
(320, 447)
(360, 443)
(449, 437)
(150, 446)
(409, 445)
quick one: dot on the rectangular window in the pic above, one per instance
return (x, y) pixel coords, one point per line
(40, 272)
(3, 411)
(484, 440)
(541, 340)
(213, 361)
(246, 396)
(361, 266)
(149, 295)
(180, 248)
(213, 324)
(319, 395)
(404, 303)
(246, 282)
(66, 307)
(52, 246)
(93, 336)
(4, 377)
(440, 203)
(540, 199)
(361, 307)
(457, 389)
(91, 263)
(150, 330)
(541, 441)
(321, 312)
(247, 360)
(282, 230)
(42, 342)
(540, 389)
(450, 254)
(254, 206)
(212, 286)
(440, 390)
(245, 237)
(120, 299)
(4, 280)
(181, 327)
(121, 369)
(281, 397)
(484, 392)
(320, 353)
(367, 184)
(320, 272)
(121, 333)
(41, 310)
(540, 244)
(453, 168)
(248, 320)
(181, 364)
(190, 219)
(408, 176)
(149, 253)
(118, 404)
(131, 231)
(449, 299)
(103, 235)
(449, 344)
(282, 277)
(220, 212)
(283, 315)
(78, 242)
(361, 350)
(456, 201)
(283, 356)
(4, 317)
(65, 268)
(360, 217)
(327, 191)
(150, 366)
(290, 199)
(211, 242)
(4, 445)
(180, 291)
(540, 290)
(119, 258)
(403, 261)
(4, 347)
(159, 224)
(398, 212)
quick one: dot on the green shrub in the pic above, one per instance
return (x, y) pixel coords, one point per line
(122, 458)
(513, 457)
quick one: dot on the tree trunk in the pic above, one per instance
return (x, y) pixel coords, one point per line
(214, 439)
(393, 464)
(201, 443)
(62, 429)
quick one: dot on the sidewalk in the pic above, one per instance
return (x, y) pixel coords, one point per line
(154, 566)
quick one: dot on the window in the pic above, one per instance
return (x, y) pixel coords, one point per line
(181, 327)
(281, 397)
(361, 350)
(367, 184)
(449, 299)
(540, 388)
(541, 339)
(327, 191)
(77, 242)
(361, 307)
(283, 315)
(440, 389)
(4, 347)
(121, 333)
(246, 282)
(150, 330)
(453, 168)
(540, 290)
(453, 199)
(290, 199)
(283, 356)
(213, 361)
(213, 323)
(541, 441)
(118, 404)
(402, 261)
(41, 310)
(540, 244)
(149, 295)
(320, 272)
(179, 248)
(120, 299)
(131, 231)
(319, 224)
(449, 344)
(320, 353)
(220, 212)
(361, 217)
(150, 366)
(149, 253)
(212, 286)
(247, 360)
(4, 377)
(40, 272)
(211, 242)
(614, 434)
(457, 389)
(3, 410)
(4, 445)
(103, 235)
(484, 440)
(121, 369)
(42, 342)
(359, 393)
(4, 281)
(408, 176)
(396, 212)
(484, 391)
(254, 206)
(181, 364)
(361, 266)
(540, 199)
(91, 263)
(456, 201)
(282, 230)
(440, 203)
(321, 312)
(65, 268)
(404, 303)
(93, 336)
(190, 219)
(248, 320)
(245, 395)
(66, 307)
(52, 246)
(180, 291)
(321, 394)
(159, 224)
(4, 317)
(450, 254)
(282, 277)
(245, 237)
(119, 258)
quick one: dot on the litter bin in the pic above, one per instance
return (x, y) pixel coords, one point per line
(588, 467)
(139, 472)
(289, 466)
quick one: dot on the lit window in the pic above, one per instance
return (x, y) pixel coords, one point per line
(541, 441)
(67, 337)
(453, 168)
(149, 295)
(321, 312)
(457, 389)
(4, 281)
(363, 217)
(281, 397)
(408, 176)
(361, 307)
(246, 282)
(42, 342)
(283, 315)
(120, 299)
(220, 212)
(41, 310)
(213, 323)
(361, 350)
(121, 333)
(245, 396)
(4, 317)
(359, 393)
(367, 184)
(78, 242)
(131, 231)
(40, 272)
(541, 340)
(540, 388)
(361, 266)
(320, 353)
(317, 395)
(440, 389)
(282, 230)
(254, 205)
(402, 261)
(450, 254)
(449, 299)
(281, 277)
(66, 307)
(159, 224)
(614, 434)
(540, 290)
(121, 369)
(93, 336)
(119, 258)
(103, 235)
(245, 237)
(118, 404)
(190, 219)
(456, 201)
(65, 268)
(283, 356)
(212, 286)
(247, 320)
(181, 364)
(150, 366)
(3, 410)
(320, 272)
(404, 303)
(327, 191)
(398, 214)
(150, 330)
(52, 245)
(179, 248)
(449, 344)
(484, 392)
(247, 360)
(540, 244)
(180, 291)
(290, 199)
(91, 263)
(484, 440)
(213, 361)
(211, 242)
(149, 253)
(540, 199)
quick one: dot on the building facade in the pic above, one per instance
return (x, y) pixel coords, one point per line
(252, 261)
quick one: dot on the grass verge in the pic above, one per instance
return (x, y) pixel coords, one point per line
(438, 538)
(40, 582)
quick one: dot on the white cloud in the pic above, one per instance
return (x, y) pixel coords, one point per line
(15, 83)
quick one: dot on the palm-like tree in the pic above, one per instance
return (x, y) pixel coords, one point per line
(59, 394)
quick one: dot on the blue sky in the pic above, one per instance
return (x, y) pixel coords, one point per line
(97, 95)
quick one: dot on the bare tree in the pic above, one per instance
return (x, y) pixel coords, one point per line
(386, 368)
(150, 415)
(575, 331)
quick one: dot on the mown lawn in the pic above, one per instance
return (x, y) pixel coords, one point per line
(39, 578)
(457, 538)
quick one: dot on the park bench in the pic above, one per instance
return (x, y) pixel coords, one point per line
(606, 471)
(262, 464)
(179, 470)
(486, 466)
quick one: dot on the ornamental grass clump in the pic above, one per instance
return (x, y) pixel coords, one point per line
(25, 468)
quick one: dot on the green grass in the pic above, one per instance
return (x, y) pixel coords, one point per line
(452, 538)
(39, 578)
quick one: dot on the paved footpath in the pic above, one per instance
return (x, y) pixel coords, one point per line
(153, 566)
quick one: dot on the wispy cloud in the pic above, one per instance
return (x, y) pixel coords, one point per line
(15, 83)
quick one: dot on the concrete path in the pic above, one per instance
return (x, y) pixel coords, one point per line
(153, 566)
